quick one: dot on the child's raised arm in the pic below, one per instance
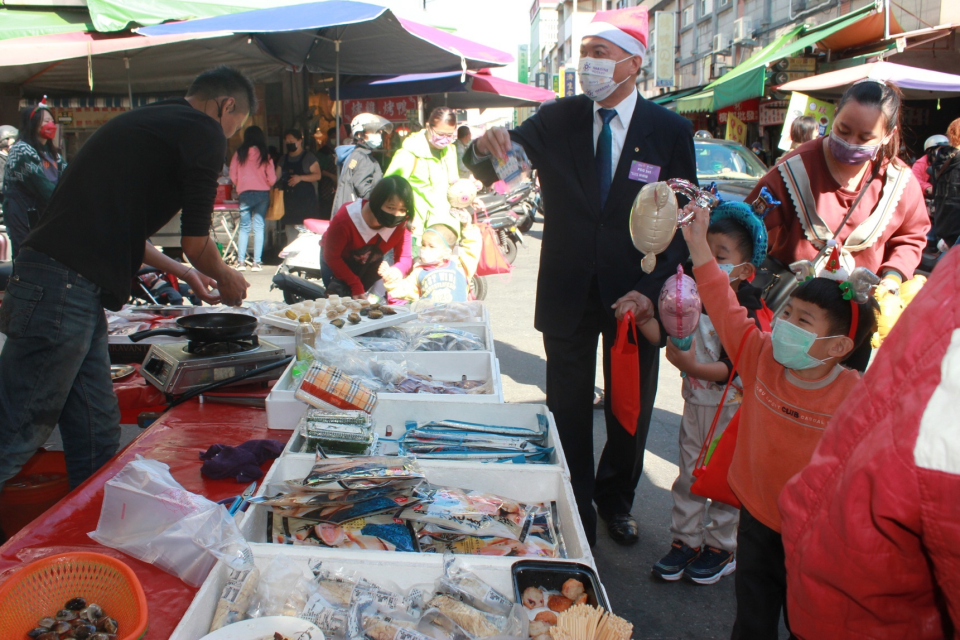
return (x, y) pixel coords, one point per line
(729, 318)
(651, 331)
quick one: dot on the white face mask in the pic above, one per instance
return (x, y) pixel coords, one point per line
(374, 140)
(596, 77)
(431, 255)
(728, 269)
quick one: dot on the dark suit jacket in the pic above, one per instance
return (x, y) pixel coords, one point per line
(581, 241)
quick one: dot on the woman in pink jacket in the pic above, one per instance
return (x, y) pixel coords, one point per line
(252, 173)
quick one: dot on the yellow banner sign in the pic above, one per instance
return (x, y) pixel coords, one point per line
(736, 130)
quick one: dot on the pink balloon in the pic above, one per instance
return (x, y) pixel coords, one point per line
(679, 305)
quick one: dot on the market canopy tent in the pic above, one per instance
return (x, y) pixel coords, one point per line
(346, 37)
(916, 83)
(470, 90)
(85, 61)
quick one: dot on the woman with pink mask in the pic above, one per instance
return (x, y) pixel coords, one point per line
(428, 161)
(852, 170)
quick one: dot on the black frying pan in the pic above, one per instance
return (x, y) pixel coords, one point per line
(206, 327)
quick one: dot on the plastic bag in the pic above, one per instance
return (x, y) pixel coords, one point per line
(148, 515)
(283, 590)
(440, 338)
(428, 311)
(468, 587)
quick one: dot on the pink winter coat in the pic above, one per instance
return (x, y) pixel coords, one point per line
(871, 527)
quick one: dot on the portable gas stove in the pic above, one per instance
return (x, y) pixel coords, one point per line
(179, 367)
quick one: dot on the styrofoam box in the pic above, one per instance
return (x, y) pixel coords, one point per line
(396, 415)
(284, 410)
(405, 570)
(527, 483)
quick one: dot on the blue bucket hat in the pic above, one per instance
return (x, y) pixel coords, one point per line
(744, 215)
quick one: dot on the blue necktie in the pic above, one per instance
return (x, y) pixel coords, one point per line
(604, 153)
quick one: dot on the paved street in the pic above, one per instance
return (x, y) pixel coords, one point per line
(661, 611)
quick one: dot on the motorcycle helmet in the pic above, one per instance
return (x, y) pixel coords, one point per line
(7, 132)
(935, 141)
(370, 123)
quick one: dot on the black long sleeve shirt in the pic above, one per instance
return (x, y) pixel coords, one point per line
(126, 182)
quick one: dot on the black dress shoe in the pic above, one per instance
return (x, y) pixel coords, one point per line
(623, 528)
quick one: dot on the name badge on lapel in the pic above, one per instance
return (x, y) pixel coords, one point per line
(643, 172)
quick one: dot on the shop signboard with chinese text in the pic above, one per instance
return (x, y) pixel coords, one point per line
(666, 44)
(569, 82)
(773, 112)
(393, 109)
(746, 111)
(523, 61)
(803, 105)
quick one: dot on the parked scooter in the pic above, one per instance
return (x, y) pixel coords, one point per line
(298, 276)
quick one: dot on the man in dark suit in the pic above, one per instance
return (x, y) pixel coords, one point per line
(593, 153)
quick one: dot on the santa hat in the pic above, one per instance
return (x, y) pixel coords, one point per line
(833, 269)
(626, 28)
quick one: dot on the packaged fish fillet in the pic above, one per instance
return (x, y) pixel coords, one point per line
(359, 473)
(470, 512)
(537, 435)
(466, 586)
(378, 533)
(377, 627)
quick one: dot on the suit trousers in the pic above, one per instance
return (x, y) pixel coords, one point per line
(689, 509)
(571, 375)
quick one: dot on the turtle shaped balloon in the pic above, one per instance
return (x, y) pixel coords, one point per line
(655, 216)
(679, 306)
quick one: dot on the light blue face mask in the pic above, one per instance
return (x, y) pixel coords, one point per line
(791, 346)
(728, 269)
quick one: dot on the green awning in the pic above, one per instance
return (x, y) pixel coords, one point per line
(748, 78)
(696, 103)
(21, 23)
(117, 15)
(676, 95)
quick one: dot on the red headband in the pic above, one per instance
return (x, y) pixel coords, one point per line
(41, 105)
(854, 320)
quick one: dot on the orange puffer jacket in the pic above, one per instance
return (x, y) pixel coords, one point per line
(871, 527)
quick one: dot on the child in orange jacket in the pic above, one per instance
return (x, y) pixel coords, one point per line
(793, 381)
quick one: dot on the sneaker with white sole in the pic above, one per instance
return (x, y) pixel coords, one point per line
(712, 565)
(672, 565)
(242, 266)
(256, 267)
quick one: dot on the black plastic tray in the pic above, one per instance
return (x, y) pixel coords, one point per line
(551, 576)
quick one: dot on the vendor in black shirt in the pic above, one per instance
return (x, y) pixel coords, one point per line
(126, 182)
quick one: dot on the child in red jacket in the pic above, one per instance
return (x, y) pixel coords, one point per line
(792, 384)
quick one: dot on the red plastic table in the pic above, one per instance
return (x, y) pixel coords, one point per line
(177, 440)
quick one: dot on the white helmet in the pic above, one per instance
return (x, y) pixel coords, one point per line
(370, 123)
(935, 141)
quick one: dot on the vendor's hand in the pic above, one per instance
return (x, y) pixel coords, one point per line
(495, 141)
(201, 285)
(232, 287)
(636, 303)
(294, 181)
(695, 234)
(685, 361)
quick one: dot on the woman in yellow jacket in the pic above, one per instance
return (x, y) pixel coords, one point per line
(428, 161)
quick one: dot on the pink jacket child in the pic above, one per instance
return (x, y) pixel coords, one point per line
(251, 175)
(871, 527)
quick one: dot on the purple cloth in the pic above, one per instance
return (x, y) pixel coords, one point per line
(242, 462)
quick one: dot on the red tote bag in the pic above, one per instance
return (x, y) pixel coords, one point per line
(492, 261)
(710, 477)
(625, 375)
